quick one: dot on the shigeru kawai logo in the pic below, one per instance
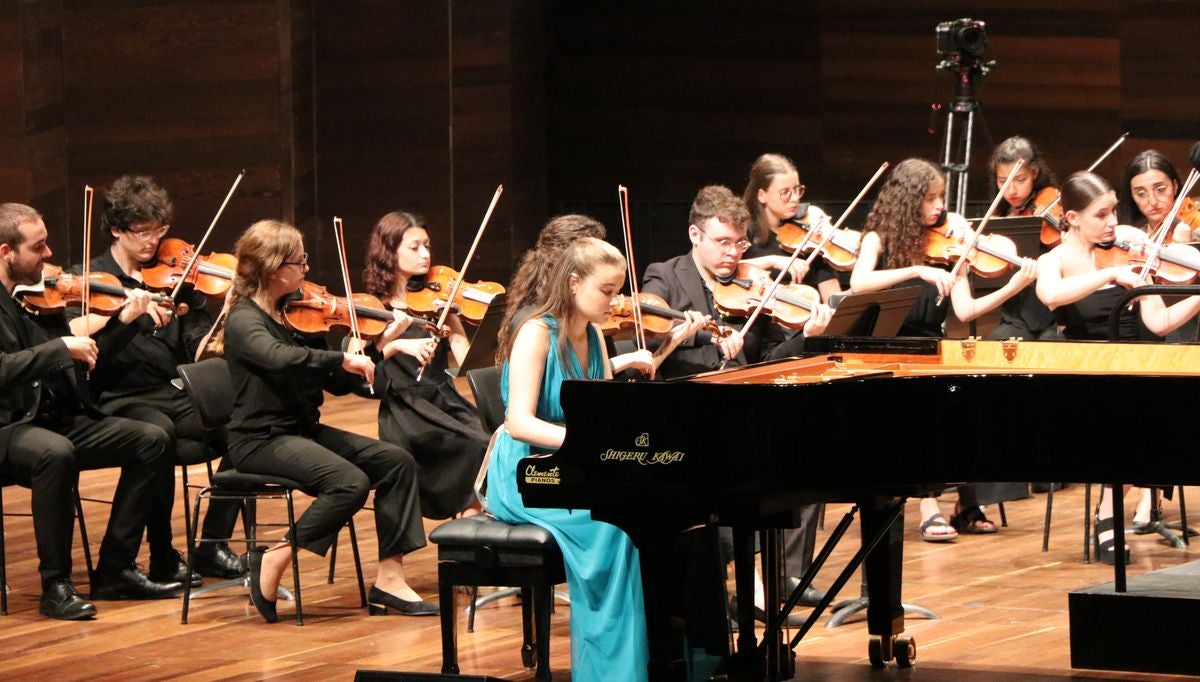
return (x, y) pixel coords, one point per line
(643, 455)
(642, 441)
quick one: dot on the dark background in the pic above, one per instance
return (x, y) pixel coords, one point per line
(357, 107)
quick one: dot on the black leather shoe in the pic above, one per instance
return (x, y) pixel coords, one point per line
(132, 584)
(265, 607)
(216, 560)
(173, 569)
(380, 603)
(810, 597)
(61, 601)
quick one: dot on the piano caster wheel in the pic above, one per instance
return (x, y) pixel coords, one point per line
(881, 649)
(905, 649)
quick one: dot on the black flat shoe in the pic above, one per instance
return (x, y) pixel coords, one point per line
(173, 569)
(216, 560)
(793, 619)
(265, 607)
(61, 601)
(1106, 551)
(380, 603)
(811, 596)
(132, 584)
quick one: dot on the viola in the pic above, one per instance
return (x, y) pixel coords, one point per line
(1166, 263)
(1047, 207)
(991, 257)
(791, 306)
(59, 289)
(313, 310)
(212, 274)
(840, 250)
(657, 317)
(428, 296)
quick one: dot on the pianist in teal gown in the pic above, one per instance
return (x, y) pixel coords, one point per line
(608, 625)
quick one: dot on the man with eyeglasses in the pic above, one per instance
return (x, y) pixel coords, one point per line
(141, 381)
(718, 240)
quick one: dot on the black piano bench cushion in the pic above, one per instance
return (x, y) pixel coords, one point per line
(484, 540)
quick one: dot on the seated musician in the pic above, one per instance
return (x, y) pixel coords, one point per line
(49, 430)
(892, 254)
(1023, 315)
(1151, 184)
(140, 380)
(1082, 295)
(426, 416)
(773, 195)
(275, 428)
(560, 341)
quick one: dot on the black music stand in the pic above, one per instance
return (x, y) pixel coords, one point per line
(877, 313)
(485, 341)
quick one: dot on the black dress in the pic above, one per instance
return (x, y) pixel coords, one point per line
(433, 422)
(1087, 318)
(926, 317)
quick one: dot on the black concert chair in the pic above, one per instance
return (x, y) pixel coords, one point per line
(87, 552)
(479, 550)
(210, 388)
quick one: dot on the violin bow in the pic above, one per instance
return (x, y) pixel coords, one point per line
(89, 196)
(779, 278)
(187, 270)
(462, 274)
(639, 332)
(1160, 235)
(339, 233)
(1099, 160)
(983, 223)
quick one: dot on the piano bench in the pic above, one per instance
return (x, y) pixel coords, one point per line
(479, 550)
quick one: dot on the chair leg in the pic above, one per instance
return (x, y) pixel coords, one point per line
(83, 539)
(358, 572)
(1184, 529)
(1046, 524)
(187, 514)
(332, 558)
(1003, 515)
(543, 601)
(448, 616)
(3, 562)
(291, 510)
(529, 646)
(191, 557)
(1087, 521)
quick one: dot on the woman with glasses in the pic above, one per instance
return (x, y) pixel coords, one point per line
(772, 196)
(1151, 183)
(279, 380)
(892, 255)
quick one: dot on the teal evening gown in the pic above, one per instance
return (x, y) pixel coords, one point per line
(608, 624)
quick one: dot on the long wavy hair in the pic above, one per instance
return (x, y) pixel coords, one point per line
(260, 251)
(380, 273)
(581, 258)
(1079, 191)
(1012, 150)
(1149, 160)
(896, 215)
(764, 171)
(529, 281)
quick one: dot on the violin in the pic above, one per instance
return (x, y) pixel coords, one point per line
(428, 296)
(657, 318)
(1187, 221)
(791, 306)
(212, 275)
(1047, 198)
(313, 310)
(840, 250)
(1166, 263)
(60, 289)
(992, 256)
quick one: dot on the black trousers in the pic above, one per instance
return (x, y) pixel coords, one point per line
(37, 454)
(799, 543)
(340, 469)
(189, 443)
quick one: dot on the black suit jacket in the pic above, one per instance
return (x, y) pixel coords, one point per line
(679, 283)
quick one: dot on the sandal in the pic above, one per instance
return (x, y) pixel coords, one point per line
(971, 522)
(1106, 552)
(937, 521)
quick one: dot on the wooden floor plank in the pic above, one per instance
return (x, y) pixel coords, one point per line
(1002, 602)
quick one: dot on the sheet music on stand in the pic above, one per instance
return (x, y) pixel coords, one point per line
(878, 313)
(485, 341)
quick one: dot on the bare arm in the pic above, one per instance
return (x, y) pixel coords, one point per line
(526, 367)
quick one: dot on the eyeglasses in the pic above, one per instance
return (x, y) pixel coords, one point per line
(1161, 191)
(740, 246)
(299, 263)
(788, 192)
(150, 232)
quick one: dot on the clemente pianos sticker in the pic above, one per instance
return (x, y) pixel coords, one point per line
(538, 476)
(643, 457)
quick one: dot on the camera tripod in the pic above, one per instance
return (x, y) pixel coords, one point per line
(961, 115)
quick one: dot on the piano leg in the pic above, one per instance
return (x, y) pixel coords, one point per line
(781, 660)
(882, 569)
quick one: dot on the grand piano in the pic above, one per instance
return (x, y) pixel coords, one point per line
(868, 421)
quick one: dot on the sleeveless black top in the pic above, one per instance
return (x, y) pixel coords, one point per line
(1087, 318)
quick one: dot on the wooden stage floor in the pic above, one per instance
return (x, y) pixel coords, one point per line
(1003, 605)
